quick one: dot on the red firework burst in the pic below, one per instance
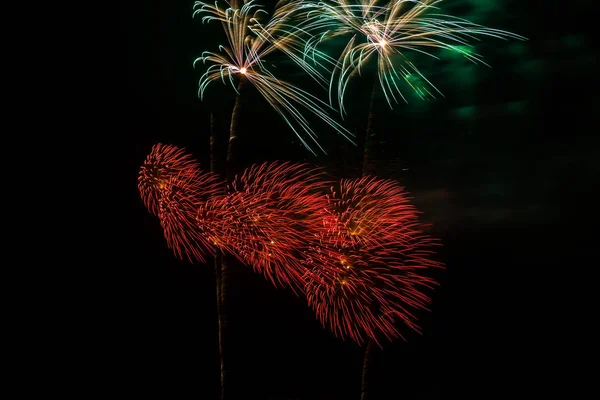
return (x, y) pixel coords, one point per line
(266, 218)
(369, 262)
(180, 199)
(173, 186)
(163, 163)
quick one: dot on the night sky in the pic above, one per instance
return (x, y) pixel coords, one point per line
(503, 167)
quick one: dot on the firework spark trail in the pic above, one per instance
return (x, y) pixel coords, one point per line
(250, 41)
(386, 32)
(358, 253)
(173, 186)
(163, 163)
(370, 262)
(266, 218)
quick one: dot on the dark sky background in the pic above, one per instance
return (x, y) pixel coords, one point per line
(504, 167)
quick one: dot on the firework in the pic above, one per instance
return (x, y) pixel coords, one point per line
(173, 186)
(369, 262)
(266, 218)
(387, 31)
(178, 205)
(163, 163)
(250, 41)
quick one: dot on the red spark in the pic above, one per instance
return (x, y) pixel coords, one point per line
(179, 202)
(370, 260)
(266, 218)
(163, 163)
(173, 186)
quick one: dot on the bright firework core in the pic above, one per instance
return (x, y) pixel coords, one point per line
(373, 31)
(243, 70)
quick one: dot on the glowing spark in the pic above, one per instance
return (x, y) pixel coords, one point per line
(385, 281)
(291, 195)
(163, 163)
(250, 41)
(172, 187)
(399, 27)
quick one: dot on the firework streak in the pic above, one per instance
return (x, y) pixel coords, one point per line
(250, 41)
(370, 261)
(356, 250)
(172, 185)
(385, 33)
(266, 218)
